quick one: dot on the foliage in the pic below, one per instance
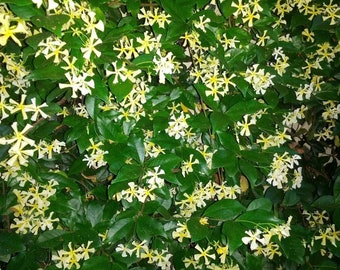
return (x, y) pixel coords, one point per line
(169, 134)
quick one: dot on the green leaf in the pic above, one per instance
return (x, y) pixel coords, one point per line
(258, 216)
(239, 33)
(274, 194)
(24, 10)
(197, 230)
(226, 159)
(91, 104)
(291, 198)
(148, 227)
(120, 89)
(254, 262)
(133, 6)
(97, 262)
(53, 23)
(51, 72)
(18, 3)
(34, 40)
(237, 111)
(293, 249)
(227, 9)
(94, 212)
(218, 121)
(226, 209)
(10, 243)
(129, 172)
(100, 90)
(178, 14)
(336, 217)
(51, 238)
(249, 170)
(137, 144)
(166, 161)
(144, 61)
(324, 202)
(234, 232)
(119, 230)
(23, 261)
(260, 203)
(336, 190)
(228, 141)
(109, 129)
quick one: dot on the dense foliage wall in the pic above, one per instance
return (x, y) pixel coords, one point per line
(169, 134)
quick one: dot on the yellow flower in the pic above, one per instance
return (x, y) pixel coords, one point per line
(8, 31)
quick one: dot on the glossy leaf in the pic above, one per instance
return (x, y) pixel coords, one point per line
(226, 209)
(197, 230)
(260, 203)
(97, 262)
(234, 232)
(10, 243)
(293, 249)
(147, 227)
(120, 229)
(258, 216)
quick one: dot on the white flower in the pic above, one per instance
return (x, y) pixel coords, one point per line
(254, 239)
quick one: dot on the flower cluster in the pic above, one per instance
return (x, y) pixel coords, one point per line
(160, 258)
(95, 159)
(31, 213)
(209, 132)
(70, 258)
(204, 193)
(324, 232)
(284, 172)
(261, 241)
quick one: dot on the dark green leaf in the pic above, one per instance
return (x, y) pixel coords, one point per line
(336, 190)
(165, 161)
(97, 262)
(24, 10)
(291, 198)
(249, 170)
(218, 121)
(51, 238)
(228, 141)
(293, 249)
(137, 144)
(226, 159)
(119, 230)
(260, 203)
(324, 202)
(129, 172)
(120, 89)
(226, 209)
(110, 130)
(144, 60)
(18, 3)
(34, 40)
(197, 230)
(94, 212)
(48, 72)
(53, 23)
(237, 111)
(133, 6)
(234, 232)
(147, 227)
(10, 243)
(227, 9)
(254, 262)
(258, 216)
